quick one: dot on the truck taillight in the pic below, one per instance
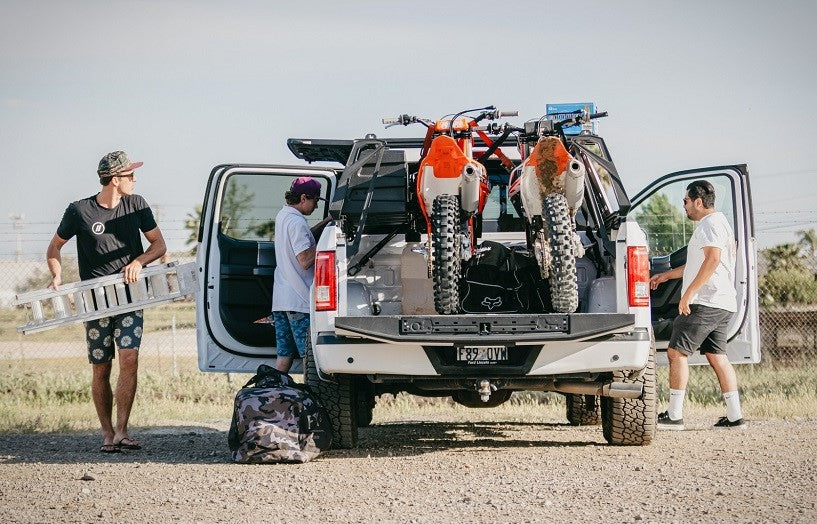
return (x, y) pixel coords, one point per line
(326, 282)
(638, 276)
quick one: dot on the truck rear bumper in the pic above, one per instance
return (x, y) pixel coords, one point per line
(484, 329)
(362, 356)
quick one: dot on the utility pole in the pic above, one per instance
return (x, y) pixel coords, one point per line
(17, 225)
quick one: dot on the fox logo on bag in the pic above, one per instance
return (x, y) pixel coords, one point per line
(491, 303)
(277, 421)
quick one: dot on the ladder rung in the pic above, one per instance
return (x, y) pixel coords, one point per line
(79, 303)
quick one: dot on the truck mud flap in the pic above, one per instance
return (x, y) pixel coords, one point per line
(457, 329)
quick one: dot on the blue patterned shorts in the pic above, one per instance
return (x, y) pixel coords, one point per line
(291, 333)
(124, 329)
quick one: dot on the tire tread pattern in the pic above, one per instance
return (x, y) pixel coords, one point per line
(446, 254)
(579, 414)
(629, 421)
(564, 286)
(339, 400)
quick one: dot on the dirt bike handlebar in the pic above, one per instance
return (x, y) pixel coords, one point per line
(579, 119)
(490, 113)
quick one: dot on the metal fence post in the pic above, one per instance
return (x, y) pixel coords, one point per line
(173, 346)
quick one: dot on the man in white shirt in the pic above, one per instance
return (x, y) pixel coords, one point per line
(708, 301)
(294, 271)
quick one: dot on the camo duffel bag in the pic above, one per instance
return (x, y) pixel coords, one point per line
(275, 419)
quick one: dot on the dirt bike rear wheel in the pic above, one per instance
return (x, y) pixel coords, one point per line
(446, 253)
(564, 287)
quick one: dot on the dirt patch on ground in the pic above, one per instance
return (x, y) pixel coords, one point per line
(423, 472)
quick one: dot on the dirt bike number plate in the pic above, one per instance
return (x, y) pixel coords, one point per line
(482, 354)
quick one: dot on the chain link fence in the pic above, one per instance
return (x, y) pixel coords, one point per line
(787, 278)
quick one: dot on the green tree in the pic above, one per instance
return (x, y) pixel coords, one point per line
(783, 256)
(808, 241)
(788, 286)
(191, 223)
(668, 228)
(235, 203)
(266, 230)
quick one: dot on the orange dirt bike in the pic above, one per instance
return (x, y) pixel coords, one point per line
(452, 188)
(550, 185)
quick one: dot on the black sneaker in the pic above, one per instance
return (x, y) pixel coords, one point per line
(664, 422)
(724, 422)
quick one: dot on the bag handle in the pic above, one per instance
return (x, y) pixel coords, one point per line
(265, 371)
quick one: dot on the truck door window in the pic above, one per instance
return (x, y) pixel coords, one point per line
(662, 214)
(250, 202)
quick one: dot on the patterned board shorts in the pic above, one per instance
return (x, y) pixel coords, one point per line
(704, 330)
(124, 329)
(291, 333)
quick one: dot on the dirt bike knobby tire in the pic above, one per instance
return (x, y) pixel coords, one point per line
(446, 253)
(564, 287)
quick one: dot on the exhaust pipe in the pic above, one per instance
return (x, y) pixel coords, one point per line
(608, 389)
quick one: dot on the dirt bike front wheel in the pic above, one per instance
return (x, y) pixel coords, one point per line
(446, 253)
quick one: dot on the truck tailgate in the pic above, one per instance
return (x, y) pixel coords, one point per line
(456, 329)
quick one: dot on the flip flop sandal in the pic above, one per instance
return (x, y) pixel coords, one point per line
(128, 443)
(109, 448)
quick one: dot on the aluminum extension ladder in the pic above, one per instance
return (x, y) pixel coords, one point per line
(106, 296)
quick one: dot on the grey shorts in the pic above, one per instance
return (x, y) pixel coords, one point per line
(124, 329)
(704, 330)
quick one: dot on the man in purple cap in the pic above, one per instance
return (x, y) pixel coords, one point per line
(107, 227)
(294, 271)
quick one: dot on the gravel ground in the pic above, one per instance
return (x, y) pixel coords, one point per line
(423, 472)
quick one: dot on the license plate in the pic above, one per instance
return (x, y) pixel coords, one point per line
(482, 354)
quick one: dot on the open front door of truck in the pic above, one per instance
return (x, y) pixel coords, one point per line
(236, 262)
(659, 210)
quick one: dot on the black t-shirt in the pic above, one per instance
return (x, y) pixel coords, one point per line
(107, 239)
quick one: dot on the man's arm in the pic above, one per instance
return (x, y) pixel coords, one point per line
(660, 278)
(306, 258)
(712, 257)
(156, 249)
(54, 261)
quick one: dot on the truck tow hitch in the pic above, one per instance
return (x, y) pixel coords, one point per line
(485, 388)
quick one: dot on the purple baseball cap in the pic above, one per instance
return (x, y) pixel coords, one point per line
(306, 186)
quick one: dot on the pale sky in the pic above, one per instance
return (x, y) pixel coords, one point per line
(184, 86)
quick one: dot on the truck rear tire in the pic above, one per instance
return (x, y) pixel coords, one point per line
(339, 400)
(583, 410)
(446, 254)
(364, 403)
(564, 287)
(631, 421)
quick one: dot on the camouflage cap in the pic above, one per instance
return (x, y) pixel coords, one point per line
(115, 163)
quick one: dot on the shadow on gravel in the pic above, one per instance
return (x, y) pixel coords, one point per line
(169, 445)
(415, 438)
(204, 445)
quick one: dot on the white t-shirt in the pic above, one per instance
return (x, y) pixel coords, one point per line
(290, 291)
(719, 291)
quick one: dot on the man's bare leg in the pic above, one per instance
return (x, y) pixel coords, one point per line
(678, 369)
(125, 391)
(283, 364)
(729, 385)
(103, 399)
(725, 372)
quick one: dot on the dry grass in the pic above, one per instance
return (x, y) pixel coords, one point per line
(53, 395)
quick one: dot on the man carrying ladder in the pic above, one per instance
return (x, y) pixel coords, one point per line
(107, 226)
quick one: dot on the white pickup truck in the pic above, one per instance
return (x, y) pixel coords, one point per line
(374, 327)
